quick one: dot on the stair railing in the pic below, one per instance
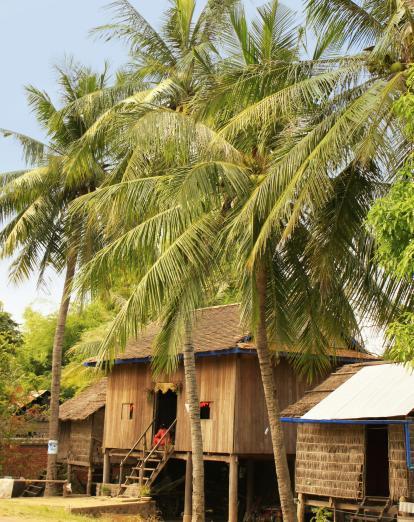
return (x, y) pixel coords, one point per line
(154, 449)
(121, 466)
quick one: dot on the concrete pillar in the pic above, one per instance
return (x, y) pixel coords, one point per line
(301, 507)
(233, 487)
(188, 501)
(249, 486)
(106, 472)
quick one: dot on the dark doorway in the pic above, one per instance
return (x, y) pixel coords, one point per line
(165, 409)
(377, 476)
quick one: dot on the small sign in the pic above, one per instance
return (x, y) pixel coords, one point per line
(52, 447)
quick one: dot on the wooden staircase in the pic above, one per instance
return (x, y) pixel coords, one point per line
(149, 464)
(33, 490)
(371, 509)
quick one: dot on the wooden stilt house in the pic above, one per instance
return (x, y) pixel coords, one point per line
(236, 438)
(81, 433)
(354, 443)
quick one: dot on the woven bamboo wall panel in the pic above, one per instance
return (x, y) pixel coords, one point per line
(398, 471)
(80, 440)
(330, 460)
(64, 439)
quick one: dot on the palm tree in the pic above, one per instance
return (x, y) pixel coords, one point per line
(271, 109)
(37, 229)
(341, 112)
(189, 161)
(167, 69)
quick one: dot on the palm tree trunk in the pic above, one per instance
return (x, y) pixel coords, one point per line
(57, 370)
(193, 402)
(272, 403)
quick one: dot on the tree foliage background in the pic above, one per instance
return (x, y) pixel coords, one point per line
(392, 220)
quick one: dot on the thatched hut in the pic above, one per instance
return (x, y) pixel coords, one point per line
(354, 445)
(81, 431)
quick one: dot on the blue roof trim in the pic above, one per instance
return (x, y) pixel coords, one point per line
(299, 420)
(212, 353)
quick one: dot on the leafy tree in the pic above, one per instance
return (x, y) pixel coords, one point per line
(167, 68)
(35, 356)
(10, 345)
(206, 187)
(392, 221)
(34, 203)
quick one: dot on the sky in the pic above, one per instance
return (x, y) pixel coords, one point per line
(34, 36)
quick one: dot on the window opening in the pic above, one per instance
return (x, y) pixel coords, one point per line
(205, 411)
(127, 412)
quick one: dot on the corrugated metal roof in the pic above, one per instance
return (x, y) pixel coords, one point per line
(382, 391)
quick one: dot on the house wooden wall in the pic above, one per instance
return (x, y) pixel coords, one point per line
(64, 440)
(127, 383)
(81, 440)
(330, 460)
(217, 383)
(231, 384)
(251, 421)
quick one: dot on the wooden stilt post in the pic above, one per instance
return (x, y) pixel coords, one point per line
(89, 483)
(249, 486)
(233, 487)
(301, 507)
(141, 476)
(69, 472)
(106, 472)
(188, 501)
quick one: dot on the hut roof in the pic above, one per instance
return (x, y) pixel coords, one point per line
(329, 385)
(374, 392)
(85, 403)
(217, 331)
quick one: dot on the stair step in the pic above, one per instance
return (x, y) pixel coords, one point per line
(134, 477)
(134, 455)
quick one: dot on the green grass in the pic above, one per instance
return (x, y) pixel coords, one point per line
(36, 513)
(41, 513)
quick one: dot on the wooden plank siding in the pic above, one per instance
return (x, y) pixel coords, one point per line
(216, 378)
(127, 383)
(251, 421)
(232, 385)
